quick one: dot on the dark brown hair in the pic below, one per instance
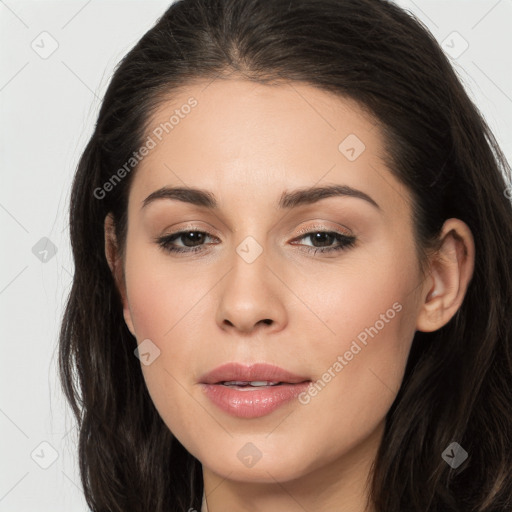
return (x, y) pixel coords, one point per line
(457, 384)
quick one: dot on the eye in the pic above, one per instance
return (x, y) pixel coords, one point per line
(325, 239)
(192, 241)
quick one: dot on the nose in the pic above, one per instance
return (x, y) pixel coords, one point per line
(251, 298)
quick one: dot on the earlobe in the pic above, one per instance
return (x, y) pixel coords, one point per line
(451, 269)
(116, 267)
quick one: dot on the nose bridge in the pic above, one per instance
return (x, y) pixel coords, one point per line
(249, 295)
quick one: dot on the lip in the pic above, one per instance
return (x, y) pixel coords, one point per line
(251, 372)
(252, 402)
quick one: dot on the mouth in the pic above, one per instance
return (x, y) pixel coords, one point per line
(256, 375)
(251, 391)
(247, 385)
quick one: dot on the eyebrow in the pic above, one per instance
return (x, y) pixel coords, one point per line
(288, 199)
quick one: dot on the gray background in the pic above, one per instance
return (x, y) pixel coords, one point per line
(48, 106)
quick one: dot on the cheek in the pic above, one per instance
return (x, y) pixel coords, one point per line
(370, 313)
(368, 297)
(368, 317)
(159, 293)
(167, 306)
(163, 315)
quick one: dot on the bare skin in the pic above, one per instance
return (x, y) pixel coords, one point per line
(247, 144)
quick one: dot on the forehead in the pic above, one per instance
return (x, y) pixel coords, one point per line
(239, 137)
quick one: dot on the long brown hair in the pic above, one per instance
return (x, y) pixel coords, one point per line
(457, 385)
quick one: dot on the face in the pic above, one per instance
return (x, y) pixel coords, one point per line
(322, 285)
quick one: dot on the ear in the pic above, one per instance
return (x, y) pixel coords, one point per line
(451, 269)
(116, 267)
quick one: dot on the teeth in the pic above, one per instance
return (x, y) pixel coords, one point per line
(255, 383)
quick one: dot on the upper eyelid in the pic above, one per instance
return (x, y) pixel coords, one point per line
(318, 228)
(343, 230)
(303, 231)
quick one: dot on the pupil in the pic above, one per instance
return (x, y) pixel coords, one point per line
(319, 238)
(192, 234)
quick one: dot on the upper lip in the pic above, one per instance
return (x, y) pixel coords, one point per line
(252, 372)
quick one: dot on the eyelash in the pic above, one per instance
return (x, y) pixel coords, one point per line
(345, 242)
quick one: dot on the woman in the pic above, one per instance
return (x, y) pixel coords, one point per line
(291, 235)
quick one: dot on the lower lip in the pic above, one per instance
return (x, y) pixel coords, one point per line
(254, 402)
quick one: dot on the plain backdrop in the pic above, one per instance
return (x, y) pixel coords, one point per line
(56, 59)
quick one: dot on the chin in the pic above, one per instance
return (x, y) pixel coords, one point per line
(271, 467)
